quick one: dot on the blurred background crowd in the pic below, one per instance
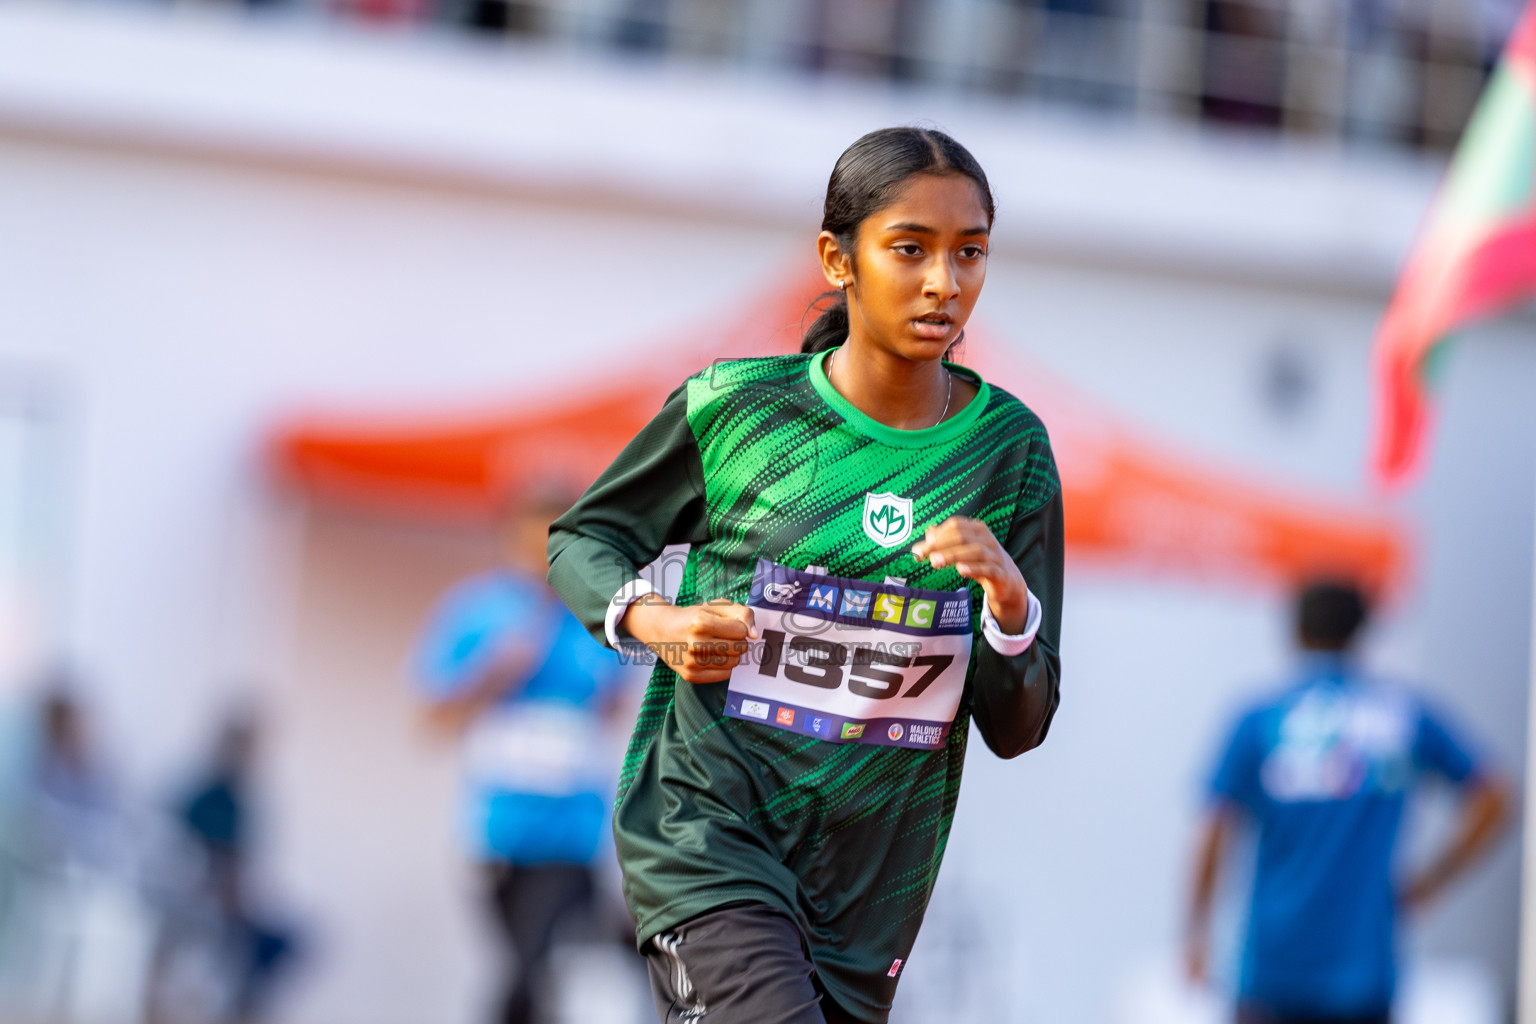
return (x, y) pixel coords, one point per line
(1396, 72)
(299, 297)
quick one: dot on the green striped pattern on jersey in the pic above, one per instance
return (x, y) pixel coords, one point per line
(848, 837)
(782, 480)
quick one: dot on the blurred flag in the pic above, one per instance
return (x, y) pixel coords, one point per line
(1476, 256)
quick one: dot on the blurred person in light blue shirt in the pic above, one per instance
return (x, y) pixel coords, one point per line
(504, 666)
(72, 818)
(1323, 769)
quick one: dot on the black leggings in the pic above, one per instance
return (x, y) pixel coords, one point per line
(529, 904)
(742, 963)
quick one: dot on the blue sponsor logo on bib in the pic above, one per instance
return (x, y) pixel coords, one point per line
(822, 598)
(856, 603)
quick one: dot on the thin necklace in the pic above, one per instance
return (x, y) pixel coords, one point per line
(949, 390)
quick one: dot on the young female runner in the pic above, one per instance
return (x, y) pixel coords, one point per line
(876, 563)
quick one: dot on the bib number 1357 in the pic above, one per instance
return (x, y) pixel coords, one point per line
(871, 672)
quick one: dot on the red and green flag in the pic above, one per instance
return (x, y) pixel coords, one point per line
(1476, 255)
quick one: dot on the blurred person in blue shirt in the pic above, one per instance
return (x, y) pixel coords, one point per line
(71, 814)
(505, 667)
(217, 939)
(1324, 769)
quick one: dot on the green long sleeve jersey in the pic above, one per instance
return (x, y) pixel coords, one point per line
(762, 459)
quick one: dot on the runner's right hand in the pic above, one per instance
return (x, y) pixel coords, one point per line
(702, 642)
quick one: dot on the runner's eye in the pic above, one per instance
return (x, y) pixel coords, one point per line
(973, 252)
(908, 249)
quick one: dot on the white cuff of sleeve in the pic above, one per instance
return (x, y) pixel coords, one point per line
(627, 595)
(1009, 643)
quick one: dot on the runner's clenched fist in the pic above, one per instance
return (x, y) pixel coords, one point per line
(702, 642)
(971, 548)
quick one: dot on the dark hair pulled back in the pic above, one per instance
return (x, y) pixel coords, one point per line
(1329, 613)
(868, 177)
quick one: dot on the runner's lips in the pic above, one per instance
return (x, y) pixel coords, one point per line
(933, 326)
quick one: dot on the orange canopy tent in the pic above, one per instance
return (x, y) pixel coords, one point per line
(1127, 500)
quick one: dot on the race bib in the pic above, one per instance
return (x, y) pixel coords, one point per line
(850, 661)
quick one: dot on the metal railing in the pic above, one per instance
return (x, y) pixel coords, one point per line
(1400, 73)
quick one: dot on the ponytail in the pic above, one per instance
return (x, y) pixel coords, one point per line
(830, 328)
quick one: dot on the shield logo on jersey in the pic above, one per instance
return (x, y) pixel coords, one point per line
(887, 519)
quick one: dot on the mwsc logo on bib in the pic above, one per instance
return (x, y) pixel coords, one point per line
(887, 518)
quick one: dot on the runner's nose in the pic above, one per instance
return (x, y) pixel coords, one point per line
(942, 282)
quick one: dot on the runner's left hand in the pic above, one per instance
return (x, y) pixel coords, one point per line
(971, 548)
